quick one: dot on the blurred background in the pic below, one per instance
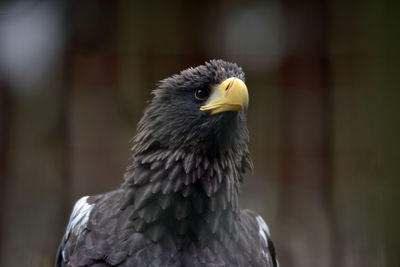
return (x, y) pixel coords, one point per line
(323, 81)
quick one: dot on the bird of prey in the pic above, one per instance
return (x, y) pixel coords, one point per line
(178, 204)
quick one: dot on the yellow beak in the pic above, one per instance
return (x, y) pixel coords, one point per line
(230, 95)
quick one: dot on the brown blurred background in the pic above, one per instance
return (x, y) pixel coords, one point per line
(75, 77)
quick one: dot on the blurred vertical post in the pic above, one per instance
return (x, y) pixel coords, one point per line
(5, 135)
(389, 132)
(64, 102)
(305, 170)
(90, 79)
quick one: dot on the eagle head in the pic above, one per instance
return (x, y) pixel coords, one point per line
(202, 108)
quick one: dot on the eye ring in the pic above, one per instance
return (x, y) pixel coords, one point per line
(201, 94)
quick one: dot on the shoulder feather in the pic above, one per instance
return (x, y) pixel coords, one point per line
(79, 217)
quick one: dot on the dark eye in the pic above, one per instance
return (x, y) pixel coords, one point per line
(202, 94)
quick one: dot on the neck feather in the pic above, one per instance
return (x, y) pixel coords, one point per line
(183, 192)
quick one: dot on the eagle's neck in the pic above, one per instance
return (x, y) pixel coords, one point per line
(184, 193)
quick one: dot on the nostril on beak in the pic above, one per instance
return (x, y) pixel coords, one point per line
(229, 84)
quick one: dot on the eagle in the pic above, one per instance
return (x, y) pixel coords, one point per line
(178, 202)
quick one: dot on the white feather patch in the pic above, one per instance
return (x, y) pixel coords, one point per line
(263, 228)
(79, 217)
(263, 231)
